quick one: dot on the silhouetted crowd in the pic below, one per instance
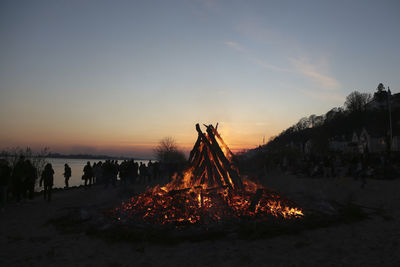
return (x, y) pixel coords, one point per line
(128, 171)
(358, 166)
(19, 180)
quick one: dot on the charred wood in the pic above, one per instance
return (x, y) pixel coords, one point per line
(225, 162)
(256, 199)
(215, 156)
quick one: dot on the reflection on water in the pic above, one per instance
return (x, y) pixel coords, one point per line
(76, 167)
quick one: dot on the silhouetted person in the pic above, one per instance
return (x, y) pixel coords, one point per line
(5, 177)
(107, 172)
(115, 170)
(123, 172)
(135, 171)
(143, 172)
(87, 174)
(67, 174)
(47, 179)
(156, 170)
(98, 173)
(30, 179)
(18, 176)
(132, 171)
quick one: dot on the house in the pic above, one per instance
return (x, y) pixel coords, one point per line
(372, 141)
(363, 141)
(339, 143)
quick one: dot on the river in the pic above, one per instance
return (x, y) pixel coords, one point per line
(76, 170)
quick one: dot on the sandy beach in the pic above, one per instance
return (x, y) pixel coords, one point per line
(27, 239)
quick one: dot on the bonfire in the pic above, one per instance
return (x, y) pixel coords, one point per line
(210, 190)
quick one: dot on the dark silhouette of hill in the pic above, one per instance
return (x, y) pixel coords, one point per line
(360, 111)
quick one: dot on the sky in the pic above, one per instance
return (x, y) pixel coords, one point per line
(115, 77)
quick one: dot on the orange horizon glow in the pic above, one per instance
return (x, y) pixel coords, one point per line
(117, 144)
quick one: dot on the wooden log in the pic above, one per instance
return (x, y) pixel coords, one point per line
(216, 188)
(216, 133)
(203, 177)
(256, 199)
(220, 154)
(218, 176)
(196, 161)
(199, 170)
(177, 191)
(195, 149)
(210, 175)
(213, 153)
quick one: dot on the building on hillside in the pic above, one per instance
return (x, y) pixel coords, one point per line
(363, 141)
(339, 143)
(372, 141)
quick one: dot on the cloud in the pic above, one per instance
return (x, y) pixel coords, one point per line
(255, 29)
(236, 46)
(303, 66)
(252, 58)
(298, 65)
(291, 48)
(269, 66)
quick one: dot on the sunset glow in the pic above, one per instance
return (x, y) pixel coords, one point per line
(115, 77)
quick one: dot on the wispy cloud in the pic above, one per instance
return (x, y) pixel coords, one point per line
(269, 66)
(291, 49)
(236, 46)
(301, 65)
(305, 67)
(252, 58)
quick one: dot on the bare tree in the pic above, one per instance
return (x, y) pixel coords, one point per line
(167, 151)
(302, 124)
(356, 101)
(38, 159)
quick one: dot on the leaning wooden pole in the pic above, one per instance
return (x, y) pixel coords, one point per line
(232, 173)
(213, 153)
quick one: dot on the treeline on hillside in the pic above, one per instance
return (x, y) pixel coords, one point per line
(339, 122)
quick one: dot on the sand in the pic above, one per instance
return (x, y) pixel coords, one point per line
(27, 240)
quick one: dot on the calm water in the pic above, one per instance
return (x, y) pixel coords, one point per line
(77, 170)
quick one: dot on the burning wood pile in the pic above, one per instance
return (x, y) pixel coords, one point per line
(210, 190)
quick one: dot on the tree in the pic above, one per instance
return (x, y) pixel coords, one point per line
(311, 119)
(302, 124)
(380, 87)
(332, 114)
(356, 101)
(38, 159)
(380, 95)
(167, 151)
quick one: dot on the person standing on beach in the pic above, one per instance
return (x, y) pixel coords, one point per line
(87, 174)
(107, 173)
(47, 179)
(67, 174)
(18, 176)
(5, 175)
(30, 179)
(98, 173)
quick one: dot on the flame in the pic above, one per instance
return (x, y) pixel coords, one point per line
(194, 196)
(159, 205)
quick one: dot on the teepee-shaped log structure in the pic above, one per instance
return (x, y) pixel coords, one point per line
(211, 161)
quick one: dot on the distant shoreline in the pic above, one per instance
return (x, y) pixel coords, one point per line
(89, 156)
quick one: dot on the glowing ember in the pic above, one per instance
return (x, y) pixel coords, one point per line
(210, 190)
